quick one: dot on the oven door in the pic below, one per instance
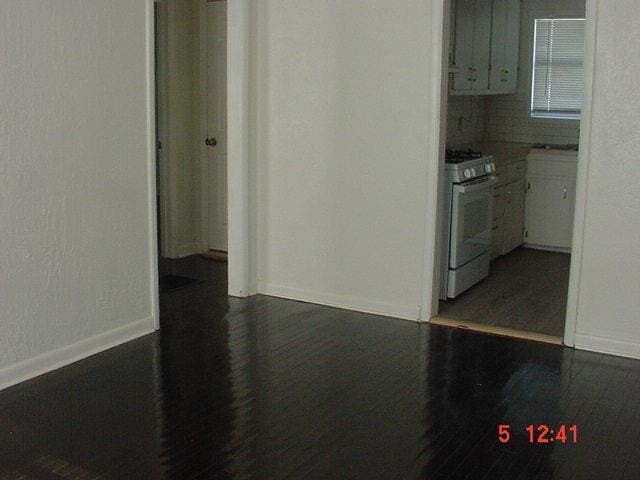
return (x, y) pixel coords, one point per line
(471, 210)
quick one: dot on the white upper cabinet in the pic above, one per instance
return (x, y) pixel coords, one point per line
(485, 47)
(472, 40)
(505, 37)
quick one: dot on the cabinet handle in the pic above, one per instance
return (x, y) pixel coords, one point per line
(565, 194)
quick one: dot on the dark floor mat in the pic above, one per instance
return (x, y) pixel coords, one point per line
(169, 283)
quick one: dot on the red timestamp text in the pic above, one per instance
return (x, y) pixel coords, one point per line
(542, 433)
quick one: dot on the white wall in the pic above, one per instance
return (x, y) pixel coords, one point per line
(507, 117)
(465, 120)
(609, 279)
(342, 151)
(75, 267)
(181, 135)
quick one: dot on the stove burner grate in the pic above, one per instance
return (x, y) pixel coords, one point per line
(457, 156)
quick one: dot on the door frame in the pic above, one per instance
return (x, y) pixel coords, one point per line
(152, 163)
(441, 41)
(241, 195)
(582, 178)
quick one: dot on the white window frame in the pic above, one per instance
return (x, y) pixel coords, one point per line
(557, 115)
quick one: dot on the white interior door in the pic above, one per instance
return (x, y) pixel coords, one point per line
(215, 58)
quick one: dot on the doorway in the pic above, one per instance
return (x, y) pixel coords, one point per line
(525, 292)
(191, 133)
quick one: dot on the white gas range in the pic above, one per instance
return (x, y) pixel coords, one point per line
(468, 205)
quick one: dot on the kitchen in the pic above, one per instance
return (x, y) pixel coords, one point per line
(513, 123)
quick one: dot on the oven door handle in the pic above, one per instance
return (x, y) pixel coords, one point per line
(474, 187)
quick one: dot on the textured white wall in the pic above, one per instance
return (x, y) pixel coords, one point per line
(507, 117)
(608, 299)
(342, 151)
(74, 199)
(465, 120)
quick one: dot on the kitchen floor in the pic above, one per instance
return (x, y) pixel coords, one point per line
(525, 290)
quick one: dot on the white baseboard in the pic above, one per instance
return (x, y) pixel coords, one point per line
(52, 360)
(189, 249)
(342, 301)
(607, 345)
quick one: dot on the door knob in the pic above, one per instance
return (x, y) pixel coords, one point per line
(211, 142)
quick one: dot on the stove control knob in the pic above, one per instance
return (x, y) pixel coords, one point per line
(467, 173)
(473, 172)
(487, 168)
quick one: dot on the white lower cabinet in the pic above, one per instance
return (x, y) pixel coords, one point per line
(508, 211)
(550, 202)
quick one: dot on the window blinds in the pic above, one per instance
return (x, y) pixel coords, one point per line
(557, 68)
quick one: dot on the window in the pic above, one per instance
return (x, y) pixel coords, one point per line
(558, 52)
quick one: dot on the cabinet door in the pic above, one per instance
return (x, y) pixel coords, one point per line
(463, 45)
(472, 45)
(498, 202)
(549, 207)
(513, 215)
(505, 40)
(482, 44)
(497, 236)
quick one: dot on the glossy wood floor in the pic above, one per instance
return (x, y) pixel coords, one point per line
(269, 388)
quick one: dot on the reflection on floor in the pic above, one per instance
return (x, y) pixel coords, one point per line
(268, 388)
(525, 290)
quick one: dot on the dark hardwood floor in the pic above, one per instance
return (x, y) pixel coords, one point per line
(270, 388)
